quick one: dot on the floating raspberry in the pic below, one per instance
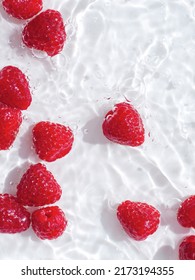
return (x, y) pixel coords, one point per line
(13, 216)
(14, 88)
(187, 248)
(45, 32)
(138, 219)
(52, 141)
(22, 9)
(186, 212)
(49, 222)
(38, 187)
(10, 121)
(123, 125)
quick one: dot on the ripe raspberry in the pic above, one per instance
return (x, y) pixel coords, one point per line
(51, 140)
(22, 9)
(38, 187)
(187, 248)
(10, 121)
(45, 32)
(138, 219)
(186, 212)
(49, 222)
(123, 125)
(14, 88)
(13, 216)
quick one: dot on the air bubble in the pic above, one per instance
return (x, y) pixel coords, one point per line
(85, 131)
(59, 61)
(99, 75)
(25, 118)
(39, 54)
(70, 31)
(74, 126)
(67, 95)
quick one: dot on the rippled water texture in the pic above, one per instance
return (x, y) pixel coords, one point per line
(143, 51)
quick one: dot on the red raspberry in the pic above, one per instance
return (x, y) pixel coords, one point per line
(186, 212)
(123, 125)
(11, 120)
(187, 248)
(138, 219)
(38, 187)
(13, 216)
(45, 32)
(14, 88)
(49, 222)
(22, 9)
(51, 140)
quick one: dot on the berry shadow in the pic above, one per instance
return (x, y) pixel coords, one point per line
(15, 39)
(92, 132)
(111, 224)
(21, 50)
(15, 42)
(169, 218)
(29, 233)
(26, 150)
(166, 253)
(13, 178)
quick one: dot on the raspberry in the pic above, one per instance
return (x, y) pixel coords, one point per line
(13, 216)
(22, 9)
(186, 212)
(51, 140)
(187, 248)
(14, 88)
(45, 32)
(138, 219)
(123, 125)
(11, 120)
(38, 187)
(49, 222)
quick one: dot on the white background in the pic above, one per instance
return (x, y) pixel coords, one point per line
(140, 50)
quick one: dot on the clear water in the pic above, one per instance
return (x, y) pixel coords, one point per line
(140, 50)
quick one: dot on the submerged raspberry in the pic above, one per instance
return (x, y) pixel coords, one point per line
(22, 9)
(46, 32)
(49, 222)
(14, 217)
(123, 125)
(14, 88)
(38, 187)
(52, 140)
(187, 248)
(186, 212)
(138, 219)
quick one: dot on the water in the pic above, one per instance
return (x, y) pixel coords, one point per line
(138, 50)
